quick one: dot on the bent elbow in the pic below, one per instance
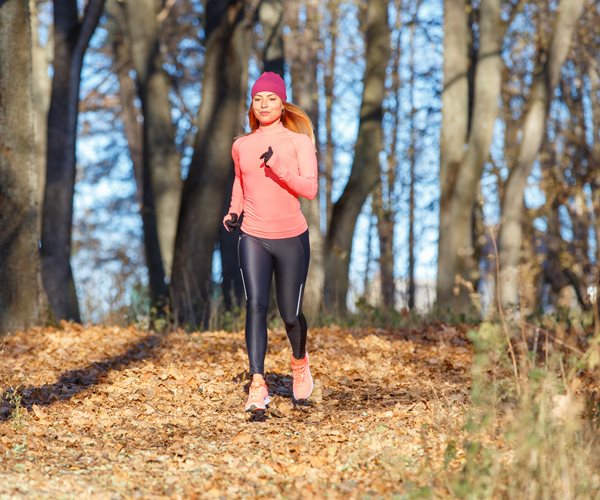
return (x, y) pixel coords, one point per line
(312, 193)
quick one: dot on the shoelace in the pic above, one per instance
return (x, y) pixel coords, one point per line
(299, 370)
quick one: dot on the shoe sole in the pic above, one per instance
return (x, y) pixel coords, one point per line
(254, 407)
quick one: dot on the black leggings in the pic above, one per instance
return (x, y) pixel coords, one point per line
(288, 258)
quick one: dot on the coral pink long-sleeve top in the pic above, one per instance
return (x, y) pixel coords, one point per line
(268, 196)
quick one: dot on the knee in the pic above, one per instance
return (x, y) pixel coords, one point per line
(290, 320)
(255, 307)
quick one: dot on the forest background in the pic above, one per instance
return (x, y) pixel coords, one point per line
(457, 147)
(455, 242)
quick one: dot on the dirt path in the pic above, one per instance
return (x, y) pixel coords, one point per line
(115, 413)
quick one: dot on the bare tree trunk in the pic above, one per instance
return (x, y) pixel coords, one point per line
(385, 201)
(369, 291)
(596, 211)
(454, 134)
(530, 293)
(303, 57)
(411, 226)
(220, 115)
(533, 133)
(457, 266)
(161, 178)
(71, 39)
(329, 78)
(134, 132)
(578, 210)
(595, 185)
(135, 129)
(412, 158)
(20, 280)
(594, 78)
(41, 100)
(365, 166)
(130, 115)
(384, 213)
(270, 16)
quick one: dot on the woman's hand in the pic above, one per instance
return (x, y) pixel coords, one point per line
(232, 222)
(266, 156)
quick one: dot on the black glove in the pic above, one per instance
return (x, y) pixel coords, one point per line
(266, 156)
(234, 222)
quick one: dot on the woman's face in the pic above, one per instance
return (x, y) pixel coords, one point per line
(267, 107)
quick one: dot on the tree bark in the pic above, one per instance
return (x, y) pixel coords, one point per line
(140, 159)
(457, 266)
(329, 63)
(161, 178)
(369, 294)
(533, 133)
(20, 279)
(455, 118)
(219, 117)
(71, 38)
(130, 115)
(41, 100)
(412, 159)
(594, 78)
(365, 166)
(385, 231)
(384, 198)
(134, 132)
(270, 16)
(411, 215)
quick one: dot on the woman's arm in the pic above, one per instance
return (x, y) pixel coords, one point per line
(237, 194)
(305, 183)
(236, 206)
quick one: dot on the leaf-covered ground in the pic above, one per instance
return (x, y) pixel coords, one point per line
(113, 412)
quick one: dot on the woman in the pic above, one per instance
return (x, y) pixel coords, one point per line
(274, 164)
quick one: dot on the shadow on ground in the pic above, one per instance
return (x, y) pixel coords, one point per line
(76, 381)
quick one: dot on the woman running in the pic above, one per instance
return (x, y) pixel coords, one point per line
(274, 164)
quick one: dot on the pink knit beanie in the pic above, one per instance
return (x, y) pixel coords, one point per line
(270, 82)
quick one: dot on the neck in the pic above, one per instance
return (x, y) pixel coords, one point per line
(270, 126)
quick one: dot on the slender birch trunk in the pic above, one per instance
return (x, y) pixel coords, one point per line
(461, 165)
(533, 134)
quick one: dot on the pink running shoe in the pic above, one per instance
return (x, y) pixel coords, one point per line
(258, 397)
(303, 381)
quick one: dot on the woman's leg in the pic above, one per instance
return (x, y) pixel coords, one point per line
(291, 259)
(256, 266)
